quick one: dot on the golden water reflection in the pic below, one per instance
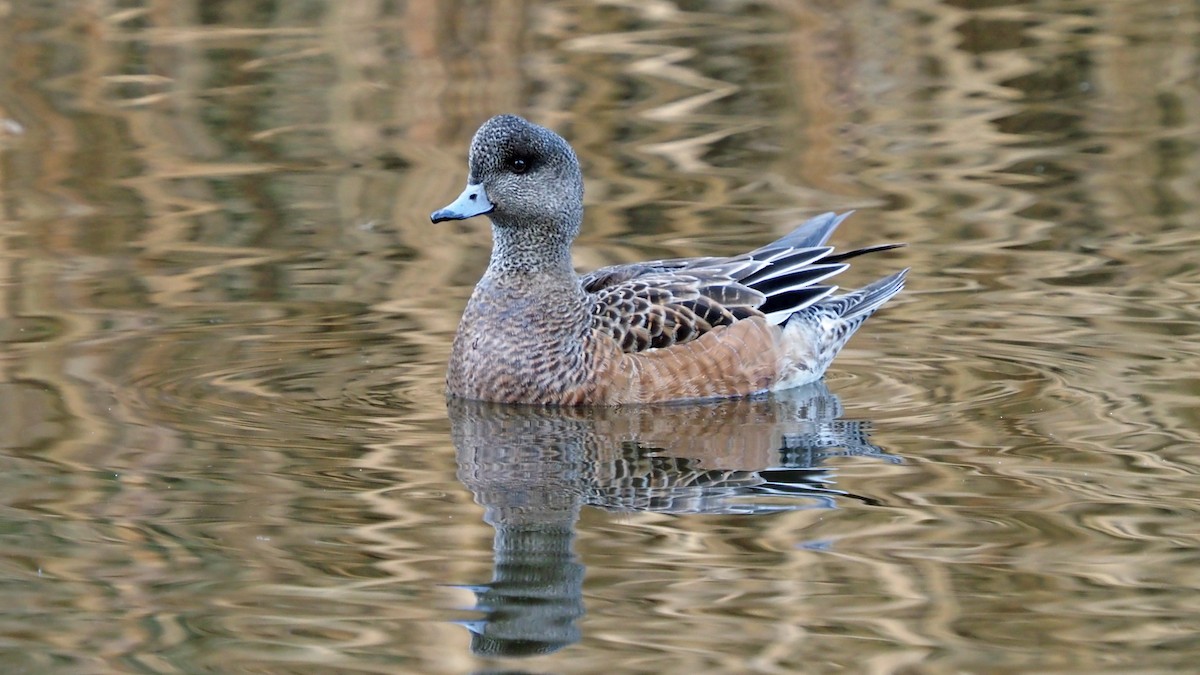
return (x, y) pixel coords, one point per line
(224, 319)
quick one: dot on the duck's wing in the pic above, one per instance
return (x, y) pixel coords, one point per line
(661, 303)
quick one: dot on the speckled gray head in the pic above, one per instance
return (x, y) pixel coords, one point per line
(521, 175)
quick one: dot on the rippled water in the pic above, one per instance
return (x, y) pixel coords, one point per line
(224, 319)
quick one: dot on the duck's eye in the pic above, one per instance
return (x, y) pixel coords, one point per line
(518, 165)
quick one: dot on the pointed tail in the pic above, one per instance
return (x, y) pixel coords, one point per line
(814, 335)
(867, 299)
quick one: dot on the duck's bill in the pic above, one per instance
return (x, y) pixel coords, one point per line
(472, 202)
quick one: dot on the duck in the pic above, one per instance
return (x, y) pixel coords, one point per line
(537, 332)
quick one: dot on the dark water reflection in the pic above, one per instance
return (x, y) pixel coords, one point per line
(534, 468)
(224, 320)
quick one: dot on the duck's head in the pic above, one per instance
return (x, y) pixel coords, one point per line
(521, 175)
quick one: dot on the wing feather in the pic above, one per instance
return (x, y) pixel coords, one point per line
(661, 303)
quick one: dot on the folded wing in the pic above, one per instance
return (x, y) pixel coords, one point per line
(658, 304)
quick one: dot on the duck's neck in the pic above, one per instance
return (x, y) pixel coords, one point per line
(532, 251)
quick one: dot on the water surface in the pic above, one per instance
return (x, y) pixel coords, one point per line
(224, 320)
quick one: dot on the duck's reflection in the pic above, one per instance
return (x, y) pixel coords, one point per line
(534, 468)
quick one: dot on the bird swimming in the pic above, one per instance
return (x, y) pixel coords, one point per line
(536, 332)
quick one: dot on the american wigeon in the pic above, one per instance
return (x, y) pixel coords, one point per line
(536, 332)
